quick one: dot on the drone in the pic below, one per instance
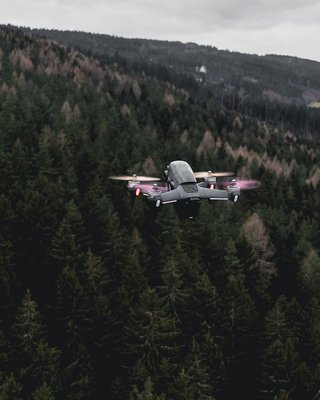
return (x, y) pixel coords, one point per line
(180, 187)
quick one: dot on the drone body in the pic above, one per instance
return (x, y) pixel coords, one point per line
(181, 188)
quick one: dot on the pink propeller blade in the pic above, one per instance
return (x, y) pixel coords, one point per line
(146, 188)
(243, 184)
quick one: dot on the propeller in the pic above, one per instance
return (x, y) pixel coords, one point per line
(242, 183)
(210, 174)
(134, 177)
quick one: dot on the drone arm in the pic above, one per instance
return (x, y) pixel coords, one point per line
(164, 198)
(232, 193)
(214, 194)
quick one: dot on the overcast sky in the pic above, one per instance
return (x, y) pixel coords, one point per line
(288, 27)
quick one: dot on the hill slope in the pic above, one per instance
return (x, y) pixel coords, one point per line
(281, 78)
(277, 89)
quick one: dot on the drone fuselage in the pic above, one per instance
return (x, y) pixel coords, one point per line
(180, 176)
(178, 173)
(187, 194)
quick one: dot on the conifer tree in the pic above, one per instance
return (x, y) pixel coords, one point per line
(147, 393)
(97, 324)
(70, 240)
(133, 272)
(258, 252)
(311, 349)
(174, 296)
(205, 305)
(6, 356)
(280, 356)
(109, 236)
(151, 340)
(7, 277)
(193, 380)
(237, 330)
(29, 327)
(43, 392)
(35, 360)
(309, 274)
(8, 124)
(78, 380)
(11, 389)
(215, 360)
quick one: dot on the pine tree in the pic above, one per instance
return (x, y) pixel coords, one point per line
(311, 351)
(259, 253)
(215, 361)
(43, 392)
(6, 355)
(109, 237)
(147, 393)
(70, 240)
(193, 380)
(8, 123)
(11, 389)
(29, 327)
(238, 340)
(309, 274)
(78, 380)
(35, 360)
(232, 262)
(69, 292)
(97, 323)
(280, 356)
(88, 325)
(206, 305)
(151, 340)
(7, 276)
(174, 296)
(133, 272)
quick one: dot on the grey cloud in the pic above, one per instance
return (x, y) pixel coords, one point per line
(246, 25)
(213, 14)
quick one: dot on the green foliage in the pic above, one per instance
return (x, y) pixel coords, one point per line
(10, 389)
(147, 393)
(194, 380)
(43, 392)
(29, 327)
(151, 337)
(35, 359)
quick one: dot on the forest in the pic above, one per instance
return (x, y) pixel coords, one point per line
(102, 297)
(273, 88)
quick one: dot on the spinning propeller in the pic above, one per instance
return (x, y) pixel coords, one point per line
(134, 177)
(242, 183)
(210, 174)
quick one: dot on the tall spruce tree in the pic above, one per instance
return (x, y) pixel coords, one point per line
(35, 360)
(280, 357)
(11, 389)
(151, 341)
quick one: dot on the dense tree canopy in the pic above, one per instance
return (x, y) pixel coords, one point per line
(101, 297)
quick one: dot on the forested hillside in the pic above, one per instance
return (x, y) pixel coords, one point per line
(101, 297)
(277, 89)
